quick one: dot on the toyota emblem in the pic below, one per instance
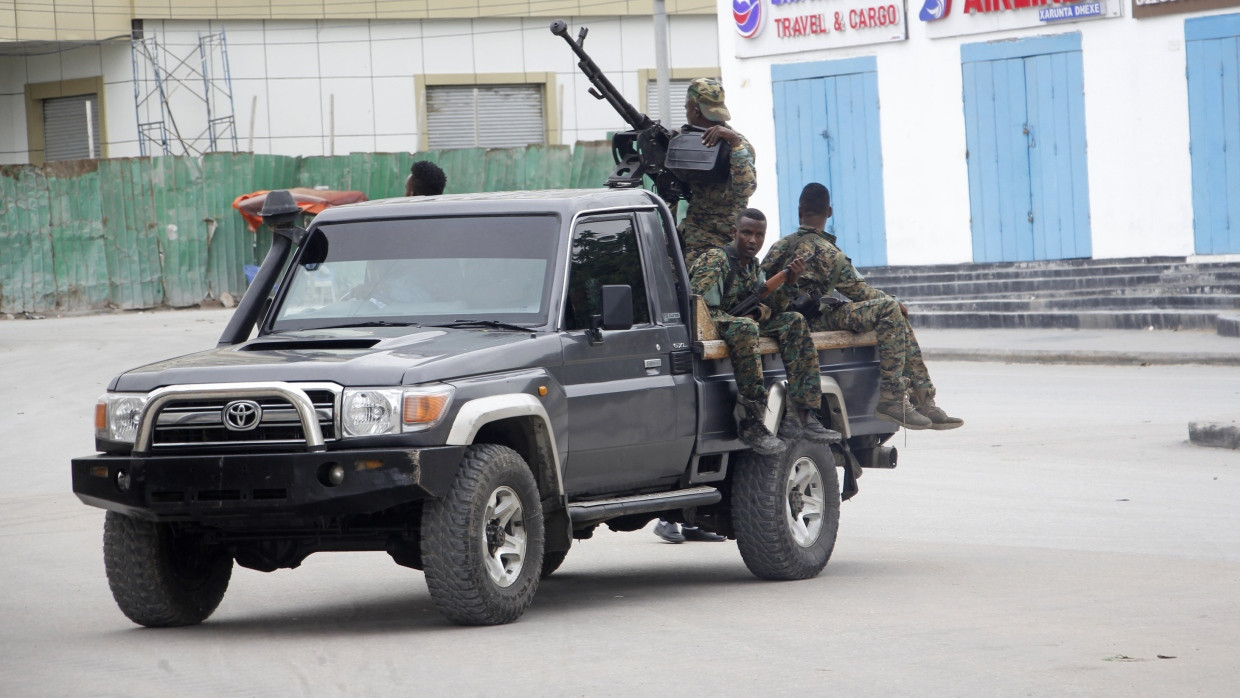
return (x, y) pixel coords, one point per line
(242, 415)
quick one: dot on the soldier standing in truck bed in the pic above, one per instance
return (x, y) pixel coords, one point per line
(713, 207)
(902, 371)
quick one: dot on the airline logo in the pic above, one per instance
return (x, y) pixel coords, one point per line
(934, 10)
(748, 16)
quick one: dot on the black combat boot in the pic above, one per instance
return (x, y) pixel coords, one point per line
(754, 433)
(813, 430)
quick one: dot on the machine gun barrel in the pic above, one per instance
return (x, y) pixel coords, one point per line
(603, 89)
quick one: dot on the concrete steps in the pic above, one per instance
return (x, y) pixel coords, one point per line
(1137, 293)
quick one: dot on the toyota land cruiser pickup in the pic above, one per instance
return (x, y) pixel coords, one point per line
(469, 383)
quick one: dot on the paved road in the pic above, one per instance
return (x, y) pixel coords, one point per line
(1060, 544)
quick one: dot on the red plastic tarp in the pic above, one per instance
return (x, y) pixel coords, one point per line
(309, 200)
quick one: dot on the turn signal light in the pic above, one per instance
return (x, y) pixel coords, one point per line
(424, 408)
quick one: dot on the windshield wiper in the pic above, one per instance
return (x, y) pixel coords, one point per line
(485, 323)
(374, 323)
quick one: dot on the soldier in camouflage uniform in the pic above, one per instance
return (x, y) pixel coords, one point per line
(726, 276)
(713, 207)
(901, 368)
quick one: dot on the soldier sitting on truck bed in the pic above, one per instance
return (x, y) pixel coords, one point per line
(725, 276)
(901, 369)
(714, 206)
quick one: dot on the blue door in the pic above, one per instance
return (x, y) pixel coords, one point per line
(826, 130)
(1024, 108)
(1213, 52)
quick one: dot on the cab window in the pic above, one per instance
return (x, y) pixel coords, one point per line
(605, 253)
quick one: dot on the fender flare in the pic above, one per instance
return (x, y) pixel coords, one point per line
(479, 412)
(777, 398)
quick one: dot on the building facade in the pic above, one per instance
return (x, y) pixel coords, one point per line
(995, 130)
(324, 78)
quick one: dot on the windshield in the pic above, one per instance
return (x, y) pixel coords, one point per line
(422, 271)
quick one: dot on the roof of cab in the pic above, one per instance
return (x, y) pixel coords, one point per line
(565, 202)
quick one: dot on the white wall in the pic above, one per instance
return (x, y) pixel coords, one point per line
(56, 62)
(285, 73)
(1136, 121)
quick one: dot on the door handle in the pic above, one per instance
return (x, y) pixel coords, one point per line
(654, 363)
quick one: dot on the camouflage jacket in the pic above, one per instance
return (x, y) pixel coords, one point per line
(827, 270)
(709, 279)
(722, 201)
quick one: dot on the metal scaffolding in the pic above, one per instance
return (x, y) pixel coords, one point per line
(183, 101)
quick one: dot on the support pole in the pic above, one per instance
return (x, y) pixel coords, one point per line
(660, 58)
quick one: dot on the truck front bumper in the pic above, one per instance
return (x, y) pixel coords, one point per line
(263, 485)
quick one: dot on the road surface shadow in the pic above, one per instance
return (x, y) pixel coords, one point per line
(567, 592)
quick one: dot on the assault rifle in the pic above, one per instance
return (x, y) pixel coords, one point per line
(672, 161)
(751, 302)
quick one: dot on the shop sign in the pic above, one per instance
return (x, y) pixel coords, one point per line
(770, 27)
(1157, 8)
(960, 17)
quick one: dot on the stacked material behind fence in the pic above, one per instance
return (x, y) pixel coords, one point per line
(146, 232)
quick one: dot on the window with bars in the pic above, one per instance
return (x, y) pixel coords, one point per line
(71, 128)
(486, 116)
(677, 90)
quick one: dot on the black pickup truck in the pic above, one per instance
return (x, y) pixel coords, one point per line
(468, 383)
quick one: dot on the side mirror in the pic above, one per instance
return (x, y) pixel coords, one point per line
(617, 307)
(617, 311)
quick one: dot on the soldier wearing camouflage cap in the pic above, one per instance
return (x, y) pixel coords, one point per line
(713, 207)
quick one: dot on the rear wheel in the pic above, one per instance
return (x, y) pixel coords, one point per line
(482, 543)
(160, 578)
(786, 511)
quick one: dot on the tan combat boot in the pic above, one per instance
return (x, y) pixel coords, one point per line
(894, 407)
(923, 400)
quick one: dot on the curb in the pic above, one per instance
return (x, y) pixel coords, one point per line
(1113, 358)
(1228, 325)
(1216, 434)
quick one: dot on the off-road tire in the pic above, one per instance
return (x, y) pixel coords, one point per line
(552, 561)
(459, 555)
(160, 579)
(766, 510)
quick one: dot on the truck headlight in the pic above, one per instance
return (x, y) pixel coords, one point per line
(378, 411)
(117, 416)
(370, 412)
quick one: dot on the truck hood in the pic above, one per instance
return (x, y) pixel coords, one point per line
(353, 357)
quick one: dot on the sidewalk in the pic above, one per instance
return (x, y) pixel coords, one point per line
(1111, 347)
(1116, 347)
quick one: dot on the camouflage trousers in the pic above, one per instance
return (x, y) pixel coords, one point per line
(900, 365)
(795, 345)
(698, 235)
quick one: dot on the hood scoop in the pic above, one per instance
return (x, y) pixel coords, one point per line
(328, 344)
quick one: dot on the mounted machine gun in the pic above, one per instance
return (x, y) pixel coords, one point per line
(673, 161)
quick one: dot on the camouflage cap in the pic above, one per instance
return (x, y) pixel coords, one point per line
(708, 95)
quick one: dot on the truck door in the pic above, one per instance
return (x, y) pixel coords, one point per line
(622, 395)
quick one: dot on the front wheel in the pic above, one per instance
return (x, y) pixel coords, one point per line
(160, 578)
(786, 511)
(482, 542)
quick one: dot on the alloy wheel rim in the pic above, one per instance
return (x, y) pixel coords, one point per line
(503, 536)
(804, 503)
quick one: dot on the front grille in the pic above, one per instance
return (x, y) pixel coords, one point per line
(200, 422)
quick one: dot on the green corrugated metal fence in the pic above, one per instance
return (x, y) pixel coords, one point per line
(146, 232)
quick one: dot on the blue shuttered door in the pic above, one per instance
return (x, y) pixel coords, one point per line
(1024, 108)
(826, 130)
(1213, 54)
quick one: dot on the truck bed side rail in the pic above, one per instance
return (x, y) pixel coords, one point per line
(708, 344)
